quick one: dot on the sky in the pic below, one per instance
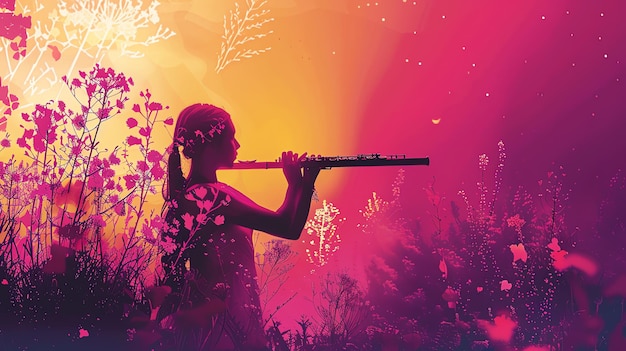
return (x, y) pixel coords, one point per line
(445, 79)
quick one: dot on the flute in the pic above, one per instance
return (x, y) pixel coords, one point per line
(325, 162)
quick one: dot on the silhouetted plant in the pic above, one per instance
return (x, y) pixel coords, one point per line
(72, 249)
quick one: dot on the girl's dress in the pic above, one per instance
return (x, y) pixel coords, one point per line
(213, 267)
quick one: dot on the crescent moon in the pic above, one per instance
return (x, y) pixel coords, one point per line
(436, 121)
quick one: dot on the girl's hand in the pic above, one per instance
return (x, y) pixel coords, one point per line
(291, 167)
(310, 175)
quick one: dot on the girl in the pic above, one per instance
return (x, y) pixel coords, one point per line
(210, 256)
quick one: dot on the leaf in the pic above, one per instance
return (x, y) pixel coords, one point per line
(554, 245)
(443, 267)
(83, 333)
(56, 54)
(519, 252)
(505, 285)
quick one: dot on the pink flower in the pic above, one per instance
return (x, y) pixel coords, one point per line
(157, 172)
(99, 221)
(120, 209)
(82, 333)
(78, 121)
(201, 218)
(132, 140)
(501, 329)
(188, 219)
(155, 106)
(142, 166)
(219, 220)
(113, 159)
(154, 156)
(95, 181)
(131, 122)
(145, 131)
(131, 180)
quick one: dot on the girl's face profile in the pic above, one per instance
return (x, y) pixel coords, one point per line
(230, 150)
(225, 153)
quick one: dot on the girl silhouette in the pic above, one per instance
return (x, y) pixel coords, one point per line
(210, 255)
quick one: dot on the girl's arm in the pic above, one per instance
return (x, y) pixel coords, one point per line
(289, 220)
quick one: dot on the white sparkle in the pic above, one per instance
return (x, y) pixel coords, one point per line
(463, 48)
(473, 65)
(487, 94)
(334, 52)
(601, 14)
(414, 32)
(419, 63)
(376, 4)
(606, 55)
(600, 38)
(567, 12)
(406, 60)
(444, 16)
(543, 17)
(368, 4)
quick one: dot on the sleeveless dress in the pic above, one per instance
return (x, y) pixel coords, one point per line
(219, 258)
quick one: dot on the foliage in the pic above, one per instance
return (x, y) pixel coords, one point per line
(79, 243)
(42, 38)
(76, 239)
(241, 29)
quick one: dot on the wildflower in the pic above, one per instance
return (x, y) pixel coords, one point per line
(219, 220)
(188, 220)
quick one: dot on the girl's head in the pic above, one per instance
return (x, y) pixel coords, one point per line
(205, 134)
(200, 127)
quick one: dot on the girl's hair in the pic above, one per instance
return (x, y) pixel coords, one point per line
(197, 125)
